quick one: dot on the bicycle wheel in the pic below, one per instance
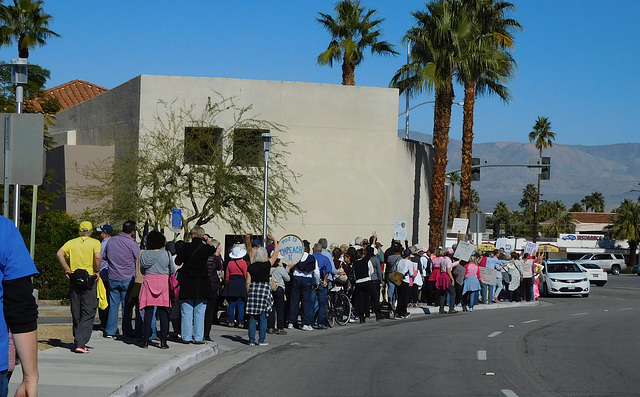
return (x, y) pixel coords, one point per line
(342, 309)
(331, 313)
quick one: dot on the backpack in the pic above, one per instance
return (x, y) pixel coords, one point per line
(308, 265)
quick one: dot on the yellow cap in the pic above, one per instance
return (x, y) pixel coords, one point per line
(86, 225)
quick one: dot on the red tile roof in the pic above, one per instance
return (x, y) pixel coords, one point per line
(592, 217)
(71, 94)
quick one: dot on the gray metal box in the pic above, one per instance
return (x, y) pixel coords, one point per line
(24, 134)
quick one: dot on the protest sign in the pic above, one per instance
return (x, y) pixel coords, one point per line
(291, 249)
(464, 251)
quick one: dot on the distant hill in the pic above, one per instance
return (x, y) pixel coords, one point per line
(576, 171)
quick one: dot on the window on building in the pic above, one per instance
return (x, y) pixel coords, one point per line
(247, 147)
(202, 145)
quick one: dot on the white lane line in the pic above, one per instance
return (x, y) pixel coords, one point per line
(579, 314)
(627, 308)
(508, 393)
(530, 321)
(482, 355)
(494, 334)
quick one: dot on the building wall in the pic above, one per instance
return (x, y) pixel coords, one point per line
(357, 175)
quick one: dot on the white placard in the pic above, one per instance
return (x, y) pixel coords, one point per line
(488, 276)
(460, 226)
(531, 248)
(291, 249)
(464, 251)
(505, 244)
(400, 230)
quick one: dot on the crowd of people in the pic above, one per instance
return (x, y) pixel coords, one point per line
(193, 285)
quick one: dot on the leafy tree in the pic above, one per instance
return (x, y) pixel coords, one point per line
(594, 201)
(26, 24)
(434, 48)
(53, 229)
(543, 137)
(562, 223)
(191, 160)
(576, 207)
(353, 31)
(484, 66)
(625, 225)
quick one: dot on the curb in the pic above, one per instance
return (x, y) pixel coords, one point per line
(153, 379)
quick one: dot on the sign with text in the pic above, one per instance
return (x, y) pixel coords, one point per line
(400, 230)
(460, 225)
(464, 251)
(531, 248)
(488, 276)
(505, 244)
(291, 249)
(176, 220)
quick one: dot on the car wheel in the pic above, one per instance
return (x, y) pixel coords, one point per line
(615, 270)
(601, 283)
(638, 273)
(585, 295)
(546, 291)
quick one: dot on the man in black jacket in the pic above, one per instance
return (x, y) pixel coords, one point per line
(195, 286)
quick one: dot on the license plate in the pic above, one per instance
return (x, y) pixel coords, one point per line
(595, 275)
(571, 287)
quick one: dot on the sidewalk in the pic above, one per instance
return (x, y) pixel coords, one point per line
(121, 368)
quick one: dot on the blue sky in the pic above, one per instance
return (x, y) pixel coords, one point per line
(578, 59)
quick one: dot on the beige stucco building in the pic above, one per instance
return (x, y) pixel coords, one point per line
(357, 175)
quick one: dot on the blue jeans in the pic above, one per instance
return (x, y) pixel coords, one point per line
(487, 293)
(473, 298)
(496, 291)
(119, 291)
(154, 329)
(262, 332)
(232, 304)
(301, 291)
(392, 289)
(4, 383)
(192, 324)
(321, 298)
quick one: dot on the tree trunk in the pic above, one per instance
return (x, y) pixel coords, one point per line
(441, 123)
(633, 255)
(467, 149)
(348, 73)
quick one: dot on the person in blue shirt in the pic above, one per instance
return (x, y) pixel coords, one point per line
(18, 310)
(325, 266)
(494, 262)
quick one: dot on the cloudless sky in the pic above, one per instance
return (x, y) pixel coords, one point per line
(578, 59)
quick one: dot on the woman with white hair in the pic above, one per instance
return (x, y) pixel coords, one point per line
(259, 298)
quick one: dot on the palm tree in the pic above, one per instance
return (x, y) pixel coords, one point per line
(485, 65)
(352, 31)
(25, 22)
(562, 223)
(430, 68)
(594, 201)
(576, 207)
(543, 137)
(625, 225)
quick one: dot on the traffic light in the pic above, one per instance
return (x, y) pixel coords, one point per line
(475, 171)
(545, 171)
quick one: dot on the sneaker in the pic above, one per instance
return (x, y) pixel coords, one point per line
(251, 344)
(352, 319)
(231, 324)
(321, 327)
(307, 328)
(281, 332)
(82, 349)
(453, 311)
(407, 315)
(263, 343)
(271, 331)
(240, 325)
(290, 326)
(109, 336)
(471, 309)
(199, 342)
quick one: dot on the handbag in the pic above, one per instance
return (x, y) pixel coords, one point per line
(396, 277)
(174, 285)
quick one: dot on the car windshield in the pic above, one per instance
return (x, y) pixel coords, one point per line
(590, 266)
(563, 268)
(587, 256)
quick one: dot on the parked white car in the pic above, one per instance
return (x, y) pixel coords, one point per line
(563, 277)
(595, 273)
(613, 263)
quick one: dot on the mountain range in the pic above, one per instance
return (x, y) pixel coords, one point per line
(576, 171)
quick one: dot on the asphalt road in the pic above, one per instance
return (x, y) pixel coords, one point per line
(568, 346)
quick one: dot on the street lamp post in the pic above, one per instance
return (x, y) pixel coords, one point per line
(266, 146)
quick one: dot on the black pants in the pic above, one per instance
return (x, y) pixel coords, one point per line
(525, 287)
(451, 290)
(278, 309)
(163, 315)
(403, 299)
(459, 288)
(365, 291)
(211, 314)
(414, 294)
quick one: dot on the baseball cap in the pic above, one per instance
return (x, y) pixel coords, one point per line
(105, 228)
(86, 225)
(256, 243)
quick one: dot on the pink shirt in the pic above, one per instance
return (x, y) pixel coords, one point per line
(471, 269)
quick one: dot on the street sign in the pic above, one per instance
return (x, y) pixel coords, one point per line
(23, 137)
(176, 220)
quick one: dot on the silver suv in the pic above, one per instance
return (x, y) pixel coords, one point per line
(613, 263)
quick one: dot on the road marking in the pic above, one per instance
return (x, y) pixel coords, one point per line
(579, 314)
(508, 393)
(482, 355)
(627, 308)
(530, 321)
(494, 334)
